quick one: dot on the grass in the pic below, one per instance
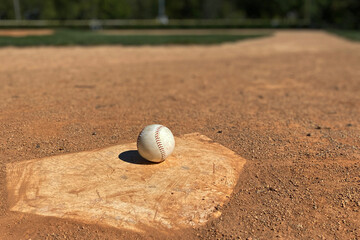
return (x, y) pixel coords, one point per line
(348, 34)
(90, 38)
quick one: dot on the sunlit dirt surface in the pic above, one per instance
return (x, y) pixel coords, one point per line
(25, 32)
(289, 104)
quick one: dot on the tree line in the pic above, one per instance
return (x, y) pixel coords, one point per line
(340, 13)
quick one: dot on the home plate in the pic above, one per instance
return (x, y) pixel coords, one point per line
(116, 187)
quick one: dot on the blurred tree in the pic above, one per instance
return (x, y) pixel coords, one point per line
(110, 9)
(340, 13)
(88, 9)
(17, 9)
(184, 9)
(143, 9)
(48, 10)
(229, 10)
(211, 8)
(67, 9)
(7, 9)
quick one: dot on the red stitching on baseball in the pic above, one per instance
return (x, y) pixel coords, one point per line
(159, 144)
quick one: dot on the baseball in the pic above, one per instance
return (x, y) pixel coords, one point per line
(155, 143)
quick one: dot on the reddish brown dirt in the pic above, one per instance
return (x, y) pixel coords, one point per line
(289, 104)
(25, 32)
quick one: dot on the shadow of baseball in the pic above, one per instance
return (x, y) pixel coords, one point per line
(133, 156)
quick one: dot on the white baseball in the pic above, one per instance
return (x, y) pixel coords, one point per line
(155, 143)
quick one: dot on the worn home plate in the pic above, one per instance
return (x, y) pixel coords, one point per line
(115, 186)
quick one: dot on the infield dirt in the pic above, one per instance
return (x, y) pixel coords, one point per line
(289, 104)
(25, 32)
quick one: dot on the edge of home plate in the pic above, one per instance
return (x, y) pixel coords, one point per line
(116, 187)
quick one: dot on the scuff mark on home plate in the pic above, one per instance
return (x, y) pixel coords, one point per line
(115, 186)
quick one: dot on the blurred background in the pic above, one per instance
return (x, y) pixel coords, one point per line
(193, 13)
(133, 22)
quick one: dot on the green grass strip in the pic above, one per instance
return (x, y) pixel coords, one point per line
(89, 38)
(348, 34)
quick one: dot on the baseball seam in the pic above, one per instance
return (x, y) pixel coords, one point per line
(159, 143)
(138, 139)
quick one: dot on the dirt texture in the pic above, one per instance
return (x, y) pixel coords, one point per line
(289, 104)
(25, 32)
